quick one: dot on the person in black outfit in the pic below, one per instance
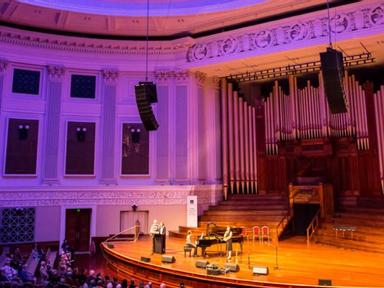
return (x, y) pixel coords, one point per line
(163, 232)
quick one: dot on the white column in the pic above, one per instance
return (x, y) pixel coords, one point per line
(52, 127)
(3, 67)
(108, 157)
(163, 81)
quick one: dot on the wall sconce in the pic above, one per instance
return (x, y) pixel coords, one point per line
(23, 131)
(80, 133)
(134, 207)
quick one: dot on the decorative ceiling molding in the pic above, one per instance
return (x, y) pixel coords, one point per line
(348, 23)
(86, 45)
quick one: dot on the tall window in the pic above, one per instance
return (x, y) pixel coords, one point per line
(135, 149)
(26, 81)
(80, 148)
(83, 86)
(21, 146)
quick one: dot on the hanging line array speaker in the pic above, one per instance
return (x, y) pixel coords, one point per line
(332, 69)
(145, 95)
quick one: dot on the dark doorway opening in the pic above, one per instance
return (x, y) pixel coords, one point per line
(303, 215)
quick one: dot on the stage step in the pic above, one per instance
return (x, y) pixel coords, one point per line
(241, 211)
(368, 224)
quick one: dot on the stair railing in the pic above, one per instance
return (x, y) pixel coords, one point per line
(312, 227)
(135, 231)
(280, 227)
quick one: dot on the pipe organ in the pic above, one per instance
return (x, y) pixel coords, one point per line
(294, 110)
(304, 114)
(379, 116)
(239, 141)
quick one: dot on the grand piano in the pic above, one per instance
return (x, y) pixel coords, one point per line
(215, 234)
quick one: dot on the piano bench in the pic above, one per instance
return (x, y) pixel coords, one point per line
(187, 249)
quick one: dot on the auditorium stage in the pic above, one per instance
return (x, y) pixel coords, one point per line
(292, 264)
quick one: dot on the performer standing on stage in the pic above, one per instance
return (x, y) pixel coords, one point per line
(228, 239)
(155, 230)
(162, 232)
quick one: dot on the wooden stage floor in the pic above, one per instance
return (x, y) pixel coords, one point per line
(293, 262)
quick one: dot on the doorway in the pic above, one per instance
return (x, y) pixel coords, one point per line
(77, 228)
(303, 214)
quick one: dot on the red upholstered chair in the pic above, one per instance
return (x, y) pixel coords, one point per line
(256, 233)
(265, 233)
(244, 232)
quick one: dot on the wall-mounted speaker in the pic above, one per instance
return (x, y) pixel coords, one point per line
(260, 270)
(332, 69)
(145, 259)
(168, 259)
(325, 282)
(201, 263)
(232, 267)
(145, 95)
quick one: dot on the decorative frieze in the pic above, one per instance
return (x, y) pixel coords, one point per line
(149, 196)
(344, 22)
(179, 75)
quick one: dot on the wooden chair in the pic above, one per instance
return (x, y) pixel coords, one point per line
(265, 233)
(256, 233)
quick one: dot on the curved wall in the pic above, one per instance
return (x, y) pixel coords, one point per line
(172, 169)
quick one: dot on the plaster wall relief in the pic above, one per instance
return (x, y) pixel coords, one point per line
(165, 195)
(346, 23)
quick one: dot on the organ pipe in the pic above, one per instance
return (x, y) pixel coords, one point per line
(224, 135)
(236, 136)
(379, 117)
(231, 138)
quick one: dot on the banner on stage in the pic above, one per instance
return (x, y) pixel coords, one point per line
(192, 211)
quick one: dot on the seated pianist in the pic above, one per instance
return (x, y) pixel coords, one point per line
(215, 235)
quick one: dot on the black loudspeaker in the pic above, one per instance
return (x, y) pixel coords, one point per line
(151, 92)
(145, 259)
(168, 259)
(333, 72)
(110, 245)
(201, 263)
(260, 270)
(232, 267)
(325, 282)
(144, 97)
(213, 271)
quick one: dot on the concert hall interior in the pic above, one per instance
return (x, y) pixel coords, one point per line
(178, 143)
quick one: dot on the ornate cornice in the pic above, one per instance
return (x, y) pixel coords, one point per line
(55, 73)
(351, 21)
(110, 76)
(86, 45)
